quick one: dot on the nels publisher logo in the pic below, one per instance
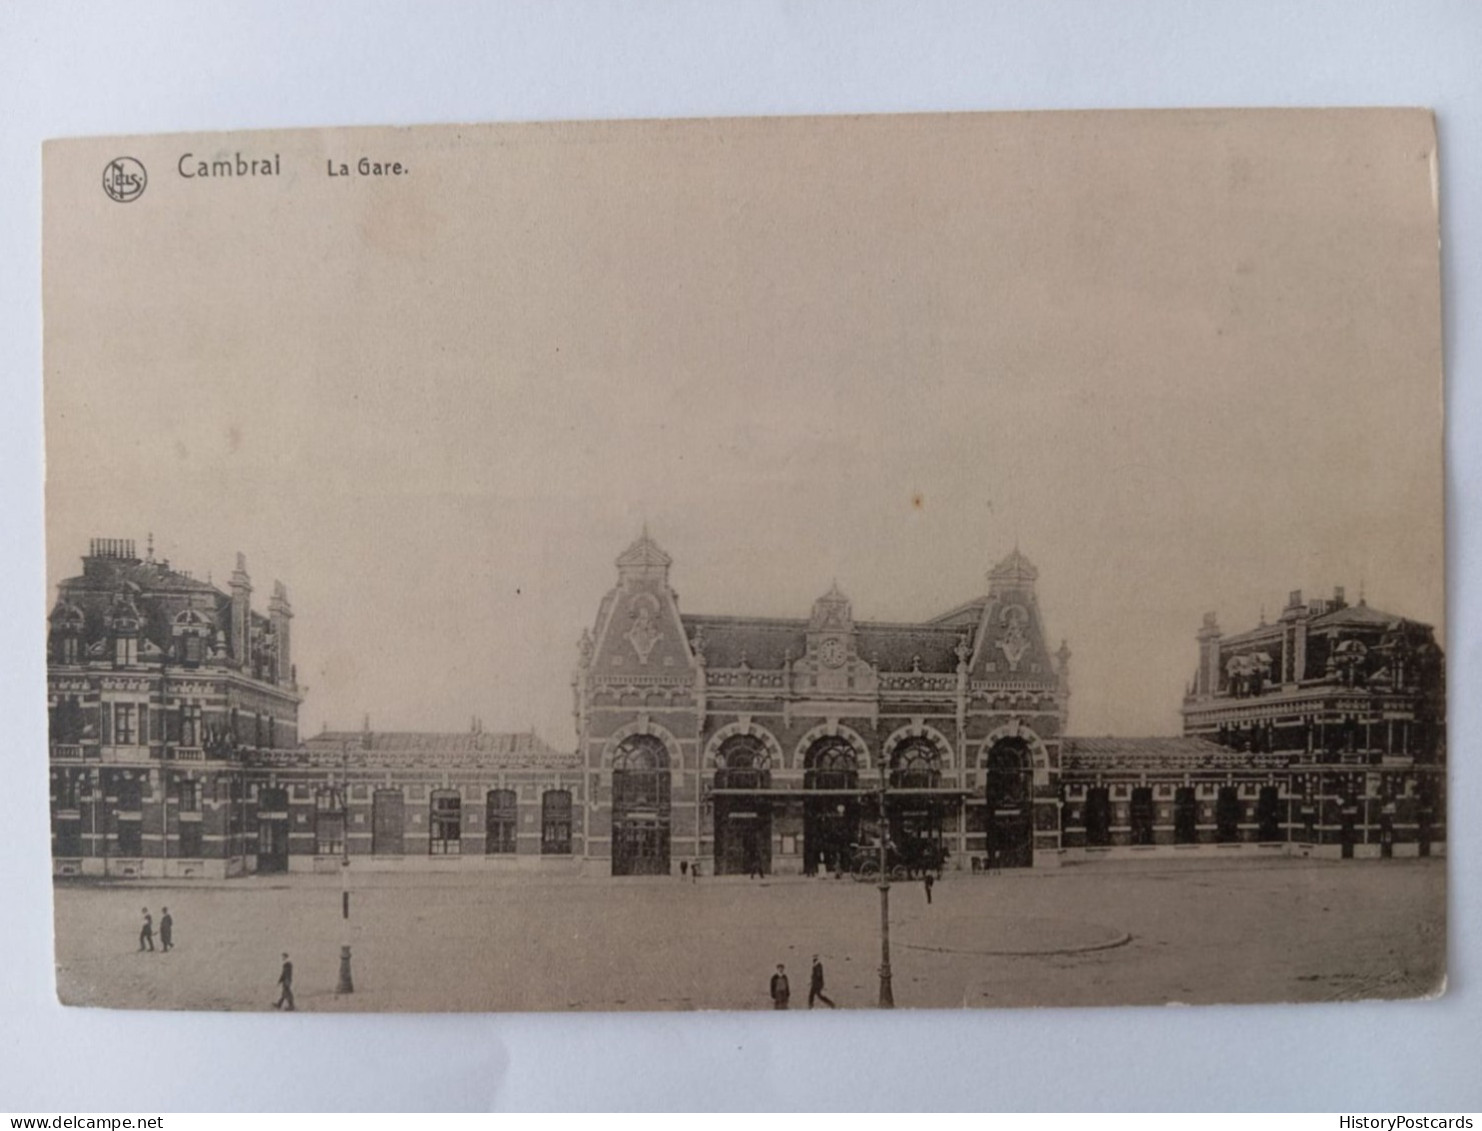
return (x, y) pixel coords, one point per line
(124, 179)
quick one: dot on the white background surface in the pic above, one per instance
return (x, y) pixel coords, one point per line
(151, 67)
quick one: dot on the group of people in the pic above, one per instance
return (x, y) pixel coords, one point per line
(167, 931)
(167, 942)
(782, 991)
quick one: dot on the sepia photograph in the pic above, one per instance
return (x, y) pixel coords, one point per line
(919, 561)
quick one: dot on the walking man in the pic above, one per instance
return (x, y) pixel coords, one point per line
(285, 979)
(815, 986)
(146, 932)
(929, 882)
(167, 925)
(780, 989)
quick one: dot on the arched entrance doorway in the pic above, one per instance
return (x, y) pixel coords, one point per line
(743, 821)
(640, 807)
(831, 814)
(1008, 796)
(916, 820)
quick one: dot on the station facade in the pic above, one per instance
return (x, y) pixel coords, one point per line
(752, 744)
(738, 745)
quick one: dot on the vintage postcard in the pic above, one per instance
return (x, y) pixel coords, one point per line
(938, 561)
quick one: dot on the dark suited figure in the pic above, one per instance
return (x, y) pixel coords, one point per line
(285, 979)
(146, 932)
(781, 991)
(930, 882)
(815, 986)
(167, 927)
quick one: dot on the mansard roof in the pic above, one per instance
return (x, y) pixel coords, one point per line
(765, 642)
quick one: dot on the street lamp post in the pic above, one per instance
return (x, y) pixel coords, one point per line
(347, 981)
(887, 995)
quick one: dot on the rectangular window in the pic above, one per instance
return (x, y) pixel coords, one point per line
(387, 823)
(130, 837)
(190, 840)
(1227, 815)
(555, 820)
(123, 724)
(190, 724)
(1098, 817)
(1268, 813)
(188, 796)
(69, 837)
(125, 650)
(501, 819)
(1142, 815)
(66, 791)
(1185, 816)
(447, 832)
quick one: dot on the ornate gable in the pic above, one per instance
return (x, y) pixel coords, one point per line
(638, 629)
(1011, 639)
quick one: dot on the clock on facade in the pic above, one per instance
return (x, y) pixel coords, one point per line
(832, 652)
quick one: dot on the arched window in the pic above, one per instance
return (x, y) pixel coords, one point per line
(916, 764)
(640, 773)
(555, 822)
(830, 764)
(744, 764)
(501, 822)
(446, 837)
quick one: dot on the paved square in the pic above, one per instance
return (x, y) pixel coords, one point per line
(1108, 933)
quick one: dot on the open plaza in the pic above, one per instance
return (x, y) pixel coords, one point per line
(1109, 933)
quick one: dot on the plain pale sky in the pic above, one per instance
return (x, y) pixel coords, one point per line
(1187, 361)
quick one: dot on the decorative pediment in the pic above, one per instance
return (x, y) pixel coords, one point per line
(832, 612)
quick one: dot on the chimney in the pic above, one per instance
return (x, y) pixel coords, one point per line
(1208, 681)
(241, 586)
(1339, 599)
(280, 612)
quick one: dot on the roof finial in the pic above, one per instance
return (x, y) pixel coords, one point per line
(149, 546)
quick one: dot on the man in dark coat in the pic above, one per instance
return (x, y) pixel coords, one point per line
(146, 932)
(285, 979)
(815, 986)
(780, 989)
(930, 882)
(167, 926)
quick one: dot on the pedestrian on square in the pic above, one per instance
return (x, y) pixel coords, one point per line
(780, 989)
(684, 869)
(167, 926)
(695, 871)
(146, 932)
(285, 979)
(815, 986)
(929, 882)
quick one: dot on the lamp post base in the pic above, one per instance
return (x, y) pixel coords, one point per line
(347, 983)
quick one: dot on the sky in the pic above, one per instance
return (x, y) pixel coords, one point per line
(1186, 361)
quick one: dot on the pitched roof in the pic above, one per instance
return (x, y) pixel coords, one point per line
(1359, 616)
(450, 748)
(1161, 752)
